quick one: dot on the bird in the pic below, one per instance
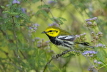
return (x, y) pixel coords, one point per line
(62, 38)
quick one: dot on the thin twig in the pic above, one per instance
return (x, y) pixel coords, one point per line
(48, 8)
(47, 64)
(55, 57)
(15, 36)
(51, 13)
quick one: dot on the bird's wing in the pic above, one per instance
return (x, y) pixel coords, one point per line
(67, 37)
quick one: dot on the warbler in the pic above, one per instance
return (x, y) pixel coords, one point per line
(62, 38)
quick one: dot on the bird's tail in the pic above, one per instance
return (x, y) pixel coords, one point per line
(86, 44)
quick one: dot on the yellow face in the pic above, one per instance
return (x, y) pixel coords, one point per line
(52, 31)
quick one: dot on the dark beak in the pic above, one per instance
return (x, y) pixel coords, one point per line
(43, 32)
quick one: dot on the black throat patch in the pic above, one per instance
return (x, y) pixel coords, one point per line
(54, 41)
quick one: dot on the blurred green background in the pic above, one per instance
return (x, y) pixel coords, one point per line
(24, 49)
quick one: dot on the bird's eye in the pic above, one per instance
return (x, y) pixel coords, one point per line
(50, 31)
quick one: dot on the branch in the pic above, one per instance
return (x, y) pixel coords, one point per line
(55, 57)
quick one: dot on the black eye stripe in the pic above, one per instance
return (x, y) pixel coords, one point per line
(50, 31)
(53, 31)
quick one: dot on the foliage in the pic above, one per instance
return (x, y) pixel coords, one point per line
(24, 49)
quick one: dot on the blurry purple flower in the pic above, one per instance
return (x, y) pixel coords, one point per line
(89, 23)
(83, 34)
(100, 33)
(36, 25)
(33, 40)
(17, 16)
(54, 24)
(88, 20)
(92, 69)
(51, 2)
(16, 2)
(39, 44)
(29, 33)
(7, 5)
(92, 32)
(100, 45)
(36, 39)
(47, 41)
(77, 36)
(95, 18)
(89, 53)
(30, 28)
(97, 62)
(35, 28)
(23, 10)
(91, 19)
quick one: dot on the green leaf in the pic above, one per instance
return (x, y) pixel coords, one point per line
(38, 12)
(5, 12)
(14, 13)
(101, 55)
(42, 12)
(11, 13)
(60, 20)
(2, 6)
(35, 1)
(43, 6)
